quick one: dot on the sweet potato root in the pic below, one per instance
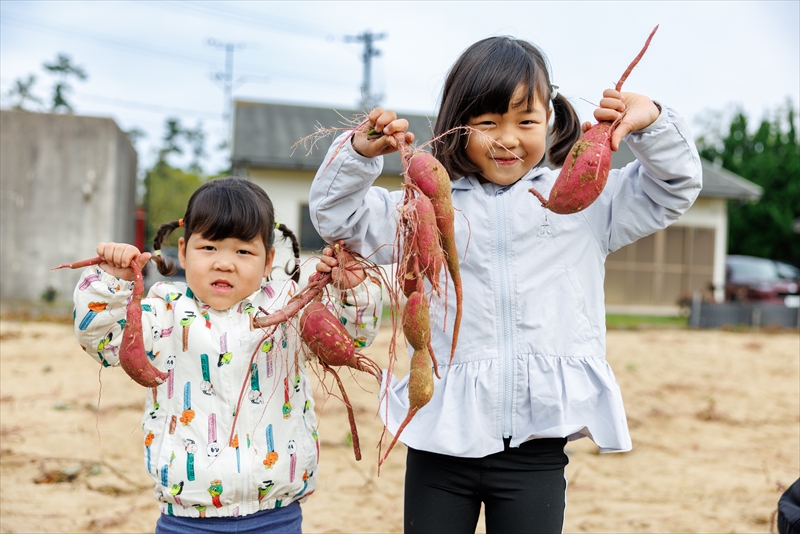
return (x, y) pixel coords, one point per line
(430, 176)
(585, 172)
(420, 391)
(329, 341)
(132, 355)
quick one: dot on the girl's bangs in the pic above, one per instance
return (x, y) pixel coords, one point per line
(491, 92)
(221, 213)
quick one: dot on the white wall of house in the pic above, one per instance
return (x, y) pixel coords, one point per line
(288, 190)
(711, 213)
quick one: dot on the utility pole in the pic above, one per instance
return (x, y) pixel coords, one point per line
(227, 80)
(368, 38)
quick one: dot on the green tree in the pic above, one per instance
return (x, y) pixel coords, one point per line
(770, 157)
(168, 188)
(63, 68)
(21, 91)
(167, 191)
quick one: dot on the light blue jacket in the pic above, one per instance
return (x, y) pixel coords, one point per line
(530, 361)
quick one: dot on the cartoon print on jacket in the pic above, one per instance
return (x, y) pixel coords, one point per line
(206, 386)
(194, 409)
(224, 355)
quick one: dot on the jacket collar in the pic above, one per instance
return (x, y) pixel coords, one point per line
(471, 182)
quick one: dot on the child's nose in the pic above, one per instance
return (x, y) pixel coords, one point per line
(508, 138)
(223, 264)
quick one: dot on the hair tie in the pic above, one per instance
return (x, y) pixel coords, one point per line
(180, 223)
(277, 225)
(553, 91)
(157, 253)
(297, 261)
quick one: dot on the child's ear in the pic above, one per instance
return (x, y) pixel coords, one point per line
(268, 266)
(182, 252)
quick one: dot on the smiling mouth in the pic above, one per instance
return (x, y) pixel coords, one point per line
(506, 162)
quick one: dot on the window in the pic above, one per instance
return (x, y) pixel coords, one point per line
(309, 238)
(662, 268)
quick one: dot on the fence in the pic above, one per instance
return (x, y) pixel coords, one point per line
(712, 315)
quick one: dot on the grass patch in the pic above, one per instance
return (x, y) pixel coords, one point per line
(635, 322)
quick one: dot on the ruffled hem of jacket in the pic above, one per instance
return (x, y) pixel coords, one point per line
(555, 397)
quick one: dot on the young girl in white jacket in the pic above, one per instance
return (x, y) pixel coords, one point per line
(529, 371)
(221, 460)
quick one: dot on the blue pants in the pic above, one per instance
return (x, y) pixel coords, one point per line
(523, 490)
(287, 520)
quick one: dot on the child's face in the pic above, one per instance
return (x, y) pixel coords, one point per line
(222, 273)
(521, 133)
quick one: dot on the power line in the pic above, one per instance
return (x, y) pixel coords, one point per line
(209, 10)
(137, 105)
(162, 54)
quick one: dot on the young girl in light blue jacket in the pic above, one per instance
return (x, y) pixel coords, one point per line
(529, 371)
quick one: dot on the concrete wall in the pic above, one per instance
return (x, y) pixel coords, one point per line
(66, 183)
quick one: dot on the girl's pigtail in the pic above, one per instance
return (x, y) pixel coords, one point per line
(295, 273)
(165, 267)
(566, 131)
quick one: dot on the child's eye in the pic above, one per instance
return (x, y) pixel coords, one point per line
(242, 251)
(209, 247)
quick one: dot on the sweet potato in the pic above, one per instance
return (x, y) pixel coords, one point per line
(132, 355)
(430, 176)
(585, 171)
(328, 339)
(424, 237)
(420, 390)
(416, 320)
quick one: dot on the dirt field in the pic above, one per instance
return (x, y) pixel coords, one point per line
(714, 416)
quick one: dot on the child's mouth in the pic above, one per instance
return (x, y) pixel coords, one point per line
(505, 162)
(221, 285)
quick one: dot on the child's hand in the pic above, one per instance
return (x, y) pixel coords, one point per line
(382, 122)
(118, 258)
(344, 277)
(639, 112)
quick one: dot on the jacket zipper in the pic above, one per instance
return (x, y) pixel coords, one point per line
(506, 395)
(242, 480)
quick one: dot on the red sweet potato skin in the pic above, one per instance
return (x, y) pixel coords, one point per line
(426, 239)
(430, 176)
(326, 337)
(416, 320)
(584, 174)
(132, 355)
(420, 381)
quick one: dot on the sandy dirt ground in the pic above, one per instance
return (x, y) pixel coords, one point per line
(714, 417)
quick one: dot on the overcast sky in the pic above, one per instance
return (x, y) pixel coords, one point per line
(151, 60)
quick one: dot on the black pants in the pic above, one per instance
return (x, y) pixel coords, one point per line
(523, 489)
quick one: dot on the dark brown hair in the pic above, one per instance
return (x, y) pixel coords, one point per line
(227, 207)
(483, 80)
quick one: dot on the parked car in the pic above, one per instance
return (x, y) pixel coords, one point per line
(749, 278)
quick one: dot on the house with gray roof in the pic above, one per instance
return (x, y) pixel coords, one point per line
(281, 146)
